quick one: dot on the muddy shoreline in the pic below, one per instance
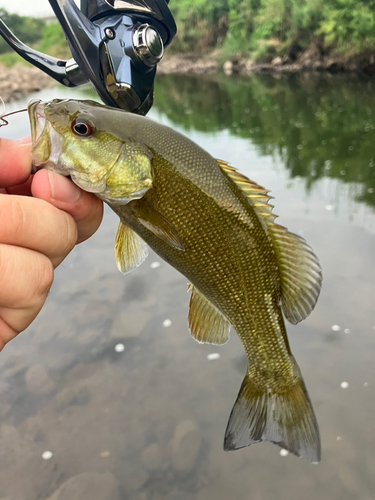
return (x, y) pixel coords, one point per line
(22, 80)
(311, 60)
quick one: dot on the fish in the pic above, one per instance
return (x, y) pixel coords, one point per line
(217, 228)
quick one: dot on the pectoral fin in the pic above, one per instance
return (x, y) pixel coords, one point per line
(207, 325)
(130, 249)
(156, 223)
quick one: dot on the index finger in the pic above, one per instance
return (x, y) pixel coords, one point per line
(15, 162)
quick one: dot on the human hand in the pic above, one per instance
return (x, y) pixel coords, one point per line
(42, 217)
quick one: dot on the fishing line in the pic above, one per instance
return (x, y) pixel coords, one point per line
(3, 121)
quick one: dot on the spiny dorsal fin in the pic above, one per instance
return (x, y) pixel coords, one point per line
(257, 195)
(207, 325)
(130, 249)
(300, 271)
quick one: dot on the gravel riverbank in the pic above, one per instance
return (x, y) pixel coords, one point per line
(311, 60)
(21, 80)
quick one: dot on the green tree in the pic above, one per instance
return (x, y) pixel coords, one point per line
(349, 25)
(201, 24)
(54, 41)
(27, 29)
(270, 27)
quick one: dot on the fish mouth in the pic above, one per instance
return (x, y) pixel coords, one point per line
(37, 119)
(45, 141)
(38, 124)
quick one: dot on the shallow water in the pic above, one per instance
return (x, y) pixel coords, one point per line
(108, 379)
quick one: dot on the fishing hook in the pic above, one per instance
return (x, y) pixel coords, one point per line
(5, 122)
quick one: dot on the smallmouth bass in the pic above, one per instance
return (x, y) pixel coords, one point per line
(216, 227)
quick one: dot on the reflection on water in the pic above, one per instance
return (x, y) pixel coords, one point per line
(318, 126)
(106, 396)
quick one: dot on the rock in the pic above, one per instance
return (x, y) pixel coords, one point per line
(37, 380)
(88, 486)
(333, 66)
(134, 475)
(21, 80)
(138, 496)
(75, 395)
(152, 456)
(250, 65)
(369, 70)
(173, 495)
(312, 54)
(286, 59)
(318, 65)
(130, 322)
(185, 445)
(187, 63)
(277, 61)
(228, 67)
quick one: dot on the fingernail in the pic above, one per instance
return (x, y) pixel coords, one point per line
(63, 189)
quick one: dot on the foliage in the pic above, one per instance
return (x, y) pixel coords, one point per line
(54, 42)
(349, 24)
(270, 27)
(200, 23)
(27, 29)
(9, 59)
(48, 38)
(265, 27)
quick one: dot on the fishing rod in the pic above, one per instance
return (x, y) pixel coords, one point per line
(115, 45)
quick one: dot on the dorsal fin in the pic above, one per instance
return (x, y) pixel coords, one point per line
(300, 271)
(257, 195)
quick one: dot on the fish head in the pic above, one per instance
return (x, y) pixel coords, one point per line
(77, 139)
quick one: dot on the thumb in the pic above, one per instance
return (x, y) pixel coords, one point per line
(85, 208)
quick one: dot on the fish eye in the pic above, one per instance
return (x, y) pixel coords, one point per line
(82, 127)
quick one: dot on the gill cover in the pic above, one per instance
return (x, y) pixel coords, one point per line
(77, 139)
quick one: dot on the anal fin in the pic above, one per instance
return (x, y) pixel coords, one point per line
(130, 249)
(207, 324)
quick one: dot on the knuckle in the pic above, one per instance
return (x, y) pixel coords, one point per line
(44, 277)
(69, 236)
(25, 277)
(13, 214)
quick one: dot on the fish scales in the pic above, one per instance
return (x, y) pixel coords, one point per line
(235, 282)
(218, 279)
(215, 227)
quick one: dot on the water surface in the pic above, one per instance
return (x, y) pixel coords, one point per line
(146, 421)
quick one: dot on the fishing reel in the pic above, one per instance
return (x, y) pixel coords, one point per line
(115, 44)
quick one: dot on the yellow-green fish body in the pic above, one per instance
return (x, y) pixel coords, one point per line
(215, 227)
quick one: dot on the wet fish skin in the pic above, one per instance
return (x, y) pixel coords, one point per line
(215, 227)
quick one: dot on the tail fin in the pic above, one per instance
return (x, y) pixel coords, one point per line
(286, 419)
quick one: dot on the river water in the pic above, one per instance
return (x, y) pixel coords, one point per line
(108, 379)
